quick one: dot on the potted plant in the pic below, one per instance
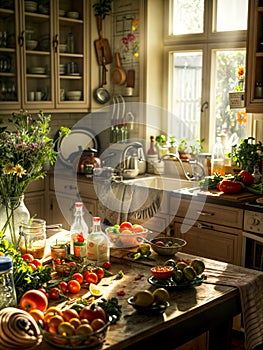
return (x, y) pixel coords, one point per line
(102, 8)
(183, 149)
(247, 154)
(173, 147)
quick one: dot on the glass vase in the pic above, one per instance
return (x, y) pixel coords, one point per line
(12, 212)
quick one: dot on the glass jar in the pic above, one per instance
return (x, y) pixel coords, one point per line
(7, 286)
(33, 238)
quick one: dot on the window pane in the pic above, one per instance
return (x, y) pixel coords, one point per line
(227, 124)
(188, 16)
(231, 15)
(186, 95)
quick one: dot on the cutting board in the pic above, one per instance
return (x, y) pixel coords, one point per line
(241, 197)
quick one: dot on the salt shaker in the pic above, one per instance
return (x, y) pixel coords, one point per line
(7, 286)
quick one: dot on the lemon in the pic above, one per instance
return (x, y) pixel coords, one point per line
(161, 295)
(143, 298)
(95, 290)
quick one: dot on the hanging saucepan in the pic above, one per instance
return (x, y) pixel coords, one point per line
(118, 74)
(101, 94)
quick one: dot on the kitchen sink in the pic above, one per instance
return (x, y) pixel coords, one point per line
(161, 183)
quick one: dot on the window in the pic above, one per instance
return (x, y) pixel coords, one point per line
(205, 43)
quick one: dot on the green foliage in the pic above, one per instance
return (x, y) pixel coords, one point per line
(247, 154)
(102, 8)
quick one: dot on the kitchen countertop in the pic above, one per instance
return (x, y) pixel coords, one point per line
(191, 312)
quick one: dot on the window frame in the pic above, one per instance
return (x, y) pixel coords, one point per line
(209, 41)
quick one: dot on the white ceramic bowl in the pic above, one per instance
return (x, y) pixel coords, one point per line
(73, 14)
(74, 93)
(62, 13)
(63, 47)
(31, 44)
(37, 70)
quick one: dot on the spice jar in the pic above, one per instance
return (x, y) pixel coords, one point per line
(33, 238)
(7, 286)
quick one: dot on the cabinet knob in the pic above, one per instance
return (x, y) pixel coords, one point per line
(205, 213)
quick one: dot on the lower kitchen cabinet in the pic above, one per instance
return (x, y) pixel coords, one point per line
(199, 343)
(35, 199)
(210, 230)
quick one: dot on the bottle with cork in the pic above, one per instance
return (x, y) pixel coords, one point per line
(152, 156)
(218, 158)
(98, 244)
(79, 232)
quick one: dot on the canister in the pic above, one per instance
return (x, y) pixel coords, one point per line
(7, 286)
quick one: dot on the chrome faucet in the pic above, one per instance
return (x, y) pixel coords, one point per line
(198, 169)
(125, 158)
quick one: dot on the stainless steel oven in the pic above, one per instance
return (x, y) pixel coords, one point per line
(252, 248)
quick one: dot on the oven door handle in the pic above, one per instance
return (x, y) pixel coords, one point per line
(253, 236)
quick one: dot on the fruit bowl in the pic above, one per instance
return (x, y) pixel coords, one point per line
(85, 341)
(162, 272)
(149, 310)
(171, 245)
(126, 239)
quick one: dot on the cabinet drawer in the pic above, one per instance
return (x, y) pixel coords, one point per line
(211, 213)
(63, 185)
(210, 242)
(87, 189)
(36, 186)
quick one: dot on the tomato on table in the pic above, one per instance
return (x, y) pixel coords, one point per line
(99, 272)
(91, 277)
(78, 277)
(73, 286)
(63, 286)
(27, 257)
(33, 299)
(36, 262)
(54, 293)
(106, 265)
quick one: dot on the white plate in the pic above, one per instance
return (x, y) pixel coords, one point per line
(69, 145)
(73, 14)
(37, 70)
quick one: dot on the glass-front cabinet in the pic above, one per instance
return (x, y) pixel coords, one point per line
(43, 62)
(9, 60)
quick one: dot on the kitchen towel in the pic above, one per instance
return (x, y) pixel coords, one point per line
(250, 285)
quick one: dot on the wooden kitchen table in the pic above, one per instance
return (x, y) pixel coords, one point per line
(192, 311)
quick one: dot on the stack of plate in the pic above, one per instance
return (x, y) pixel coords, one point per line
(63, 47)
(31, 6)
(31, 44)
(62, 13)
(74, 95)
(37, 70)
(62, 69)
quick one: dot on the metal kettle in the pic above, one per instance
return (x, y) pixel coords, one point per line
(86, 158)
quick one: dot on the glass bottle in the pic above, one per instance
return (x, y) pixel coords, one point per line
(257, 175)
(152, 156)
(79, 232)
(98, 244)
(7, 286)
(218, 158)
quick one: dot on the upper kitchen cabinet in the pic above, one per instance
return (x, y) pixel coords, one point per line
(254, 70)
(9, 60)
(50, 45)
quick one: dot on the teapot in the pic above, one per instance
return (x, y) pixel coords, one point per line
(84, 159)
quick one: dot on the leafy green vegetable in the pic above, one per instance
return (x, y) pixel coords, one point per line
(255, 188)
(112, 308)
(210, 182)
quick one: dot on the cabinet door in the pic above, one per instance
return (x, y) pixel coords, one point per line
(35, 203)
(254, 76)
(56, 216)
(210, 241)
(10, 98)
(71, 54)
(37, 55)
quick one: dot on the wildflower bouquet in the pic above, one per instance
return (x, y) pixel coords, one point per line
(25, 149)
(241, 78)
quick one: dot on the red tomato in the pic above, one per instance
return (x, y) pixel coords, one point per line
(63, 286)
(33, 299)
(160, 243)
(91, 313)
(32, 265)
(54, 293)
(28, 257)
(99, 272)
(91, 277)
(37, 262)
(43, 291)
(78, 277)
(229, 186)
(106, 265)
(73, 286)
(246, 177)
(125, 225)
